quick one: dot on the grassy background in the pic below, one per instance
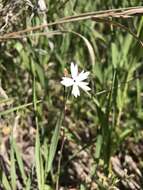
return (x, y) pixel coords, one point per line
(102, 133)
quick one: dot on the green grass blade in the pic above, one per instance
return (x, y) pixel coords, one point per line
(28, 184)
(13, 167)
(18, 108)
(19, 161)
(5, 182)
(37, 159)
(54, 143)
(98, 146)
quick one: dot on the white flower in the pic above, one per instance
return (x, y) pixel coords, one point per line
(76, 80)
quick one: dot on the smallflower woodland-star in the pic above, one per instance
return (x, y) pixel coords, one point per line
(76, 80)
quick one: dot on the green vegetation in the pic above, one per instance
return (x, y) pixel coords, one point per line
(49, 139)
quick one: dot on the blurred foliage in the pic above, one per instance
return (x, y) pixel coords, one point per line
(96, 128)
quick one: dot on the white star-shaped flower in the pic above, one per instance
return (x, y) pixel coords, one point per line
(76, 80)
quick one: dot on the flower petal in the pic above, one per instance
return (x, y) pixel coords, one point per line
(82, 76)
(84, 86)
(67, 81)
(74, 70)
(75, 91)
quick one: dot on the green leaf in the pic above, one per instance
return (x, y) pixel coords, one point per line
(98, 146)
(19, 161)
(5, 181)
(54, 143)
(12, 167)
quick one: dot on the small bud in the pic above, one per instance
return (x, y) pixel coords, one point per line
(65, 72)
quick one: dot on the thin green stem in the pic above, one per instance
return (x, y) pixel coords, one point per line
(63, 141)
(60, 159)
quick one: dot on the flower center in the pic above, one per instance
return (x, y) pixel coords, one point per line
(74, 80)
